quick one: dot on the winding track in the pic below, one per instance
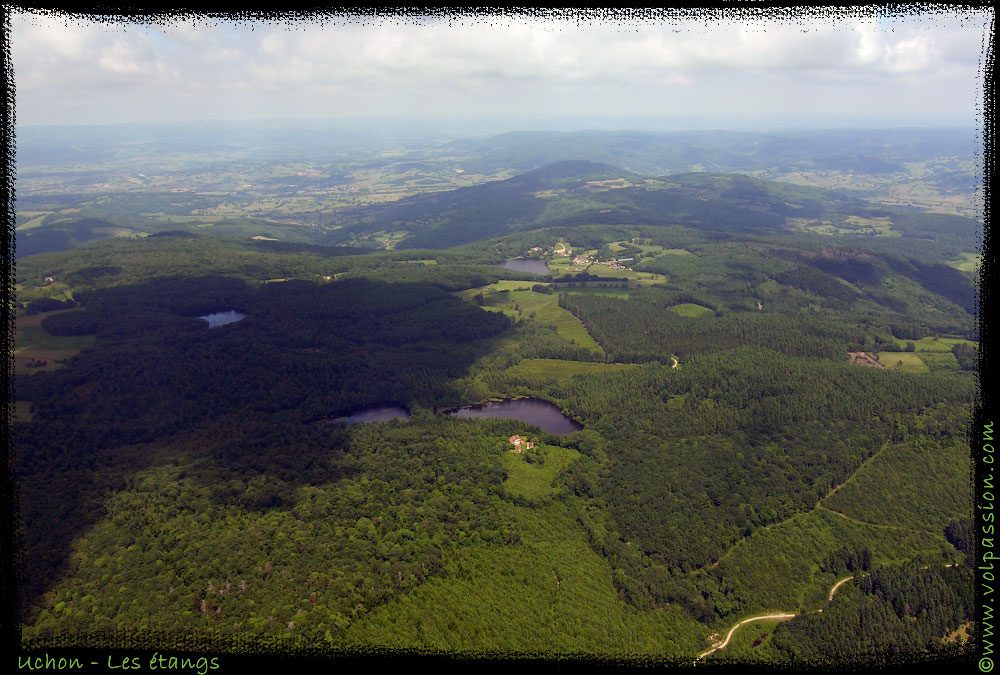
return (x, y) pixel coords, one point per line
(732, 630)
(779, 617)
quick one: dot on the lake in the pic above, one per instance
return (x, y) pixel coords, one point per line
(222, 318)
(532, 265)
(371, 413)
(534, 411)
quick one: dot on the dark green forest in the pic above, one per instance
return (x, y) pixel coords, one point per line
(736, 459)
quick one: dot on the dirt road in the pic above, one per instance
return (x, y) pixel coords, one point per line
(721, 645)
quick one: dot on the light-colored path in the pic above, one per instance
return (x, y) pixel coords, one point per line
(721, 645)
(772, 617)
(836, 586)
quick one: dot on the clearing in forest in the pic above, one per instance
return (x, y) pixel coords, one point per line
(33, 344)
(690, 309)
(542, 307)
(530, 473)
(905, 362)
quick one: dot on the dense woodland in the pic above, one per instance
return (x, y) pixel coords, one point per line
(730, 463)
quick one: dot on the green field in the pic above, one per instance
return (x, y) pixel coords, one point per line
(967, 262)
(940, 360)
(31, 341)
(560, 369)
(471, 293)
(530, 479)
(911, 362)
(525, 304)
(691, 310)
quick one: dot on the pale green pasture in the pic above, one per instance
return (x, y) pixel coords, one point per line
(940, 360)
(967, 262)
(34, 222)
(471, 293)
(547, 310)
(691, 310)
(911, 362)
(31, 342)
(519, 302)
(530, 479)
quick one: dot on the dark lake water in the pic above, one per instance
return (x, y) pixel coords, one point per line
(222, 318)
(533, 265)
(533, 411)
(371, 413)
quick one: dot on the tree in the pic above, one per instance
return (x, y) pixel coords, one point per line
(910, 347)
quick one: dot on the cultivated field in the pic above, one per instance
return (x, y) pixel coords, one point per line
(911, 363)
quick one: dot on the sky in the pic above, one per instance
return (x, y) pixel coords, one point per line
(851, 70)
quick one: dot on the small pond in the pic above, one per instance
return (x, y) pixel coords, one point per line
(371, 413)
(532, 265)
(534, 411)
(222, 318)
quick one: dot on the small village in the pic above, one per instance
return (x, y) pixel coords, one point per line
(560, 249)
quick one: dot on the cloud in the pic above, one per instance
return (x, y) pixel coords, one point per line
(353, 68)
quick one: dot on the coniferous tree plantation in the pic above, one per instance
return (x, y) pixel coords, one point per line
(763, 418)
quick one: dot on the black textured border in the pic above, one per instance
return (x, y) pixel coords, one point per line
(237, 656)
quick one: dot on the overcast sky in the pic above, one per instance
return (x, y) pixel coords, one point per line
(913, 70)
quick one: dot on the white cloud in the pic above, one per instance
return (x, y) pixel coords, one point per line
(505, 66)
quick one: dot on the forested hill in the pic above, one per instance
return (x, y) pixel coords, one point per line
(574, 193)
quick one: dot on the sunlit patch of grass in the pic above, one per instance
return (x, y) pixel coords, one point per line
(691, 310)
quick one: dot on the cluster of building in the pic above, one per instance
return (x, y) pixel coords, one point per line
(518, 442)
(613, 264)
